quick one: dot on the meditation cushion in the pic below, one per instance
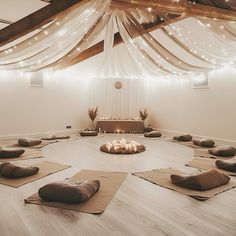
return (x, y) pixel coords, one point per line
(205, 142)
(69, 191)
(152, 134)
(183, 138)
(10, 170)
(223, 151)
(88, 133)
(201, 182)
(11, 152)
(28, 142)
(148, 128)
(226, 165)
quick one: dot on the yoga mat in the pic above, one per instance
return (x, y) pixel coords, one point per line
(56, 138)
(28, 154)
(190, 144)
(156, 138)
(110, 183)
(45, 168)
(161, 177)
(44, 143)
(13, 143)
(206, 164)
(204, 153)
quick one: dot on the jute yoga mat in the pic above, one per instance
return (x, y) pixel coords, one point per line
(45, 168)
(13, 143)
(110, 183)
(206, 164)
(162, 137)
(43, 144)
(161, 177)
(28, 154)
(206, 154)
(189, 144)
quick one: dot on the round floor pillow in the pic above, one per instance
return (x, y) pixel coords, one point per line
(148, 129)
(88, 133)
(29, 142)
(10, 152)
(11, 170)
(183, 138)
(201, 182)
(153, 134)
(227, 151)
(69, 191)
(205, 142)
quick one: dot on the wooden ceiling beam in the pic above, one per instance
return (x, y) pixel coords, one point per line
(99, 47)
(181, 7)
(36, 20)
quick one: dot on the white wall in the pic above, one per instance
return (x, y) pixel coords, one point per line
(63, 101)
(172, 105)
(176, 106)
(30, 110)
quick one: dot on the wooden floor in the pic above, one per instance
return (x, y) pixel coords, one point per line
(138, 208)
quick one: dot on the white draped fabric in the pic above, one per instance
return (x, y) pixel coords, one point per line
(184, 48)
(120, 103)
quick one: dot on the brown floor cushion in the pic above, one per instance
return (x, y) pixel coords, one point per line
(10, 170)
(228, 166)
(201, 182)
(205, 142)
(153, 134)
(69, 191)
(183, 138)
(223, 151)
(28, 142)
(11, 152)
(88, 133)
(148, 129)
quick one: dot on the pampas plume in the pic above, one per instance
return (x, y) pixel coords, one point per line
(93, 112)
(143, 114)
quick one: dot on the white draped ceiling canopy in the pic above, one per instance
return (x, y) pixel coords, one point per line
(71, 36)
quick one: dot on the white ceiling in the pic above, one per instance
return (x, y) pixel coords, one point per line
(14, 10)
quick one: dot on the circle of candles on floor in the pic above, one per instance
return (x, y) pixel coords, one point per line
(122, 146)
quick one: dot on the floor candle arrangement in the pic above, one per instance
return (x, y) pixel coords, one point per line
(122, 146)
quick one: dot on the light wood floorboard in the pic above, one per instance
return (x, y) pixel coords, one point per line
(138, 209)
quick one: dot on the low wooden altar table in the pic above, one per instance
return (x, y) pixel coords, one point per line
(127, 126)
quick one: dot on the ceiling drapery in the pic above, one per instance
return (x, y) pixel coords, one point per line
(58, 43)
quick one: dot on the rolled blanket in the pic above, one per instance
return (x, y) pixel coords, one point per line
(205, 142)
(10, 170)
(183, 138)
(11, 152)
(223, 151)
(69, 191)
(88, 133)
(28, 142)
(226, 165)
(201, 182)
(153, 134)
